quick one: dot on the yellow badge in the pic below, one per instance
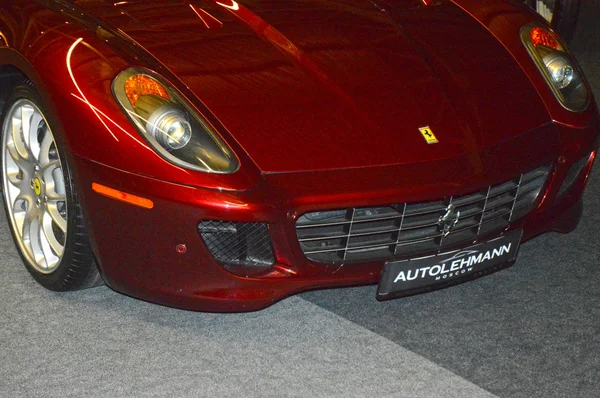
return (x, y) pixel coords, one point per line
(428, 135)
(37, 186)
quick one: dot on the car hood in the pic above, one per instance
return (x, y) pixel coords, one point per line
(316, 85)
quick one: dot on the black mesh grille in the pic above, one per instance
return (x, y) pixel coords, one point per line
(238, 243)
(412, 229)
(572, 174)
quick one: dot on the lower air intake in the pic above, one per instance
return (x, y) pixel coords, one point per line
(238, 244)
(409, 230)
(573, 174)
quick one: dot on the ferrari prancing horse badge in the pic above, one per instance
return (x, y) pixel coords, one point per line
(428, 135)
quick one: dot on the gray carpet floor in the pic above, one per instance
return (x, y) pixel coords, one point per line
(529, 331)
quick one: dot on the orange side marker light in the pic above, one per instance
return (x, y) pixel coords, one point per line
(122, 196)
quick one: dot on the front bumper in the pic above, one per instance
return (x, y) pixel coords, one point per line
(138, 249)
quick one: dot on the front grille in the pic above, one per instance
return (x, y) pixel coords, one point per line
(411, 229)
(246, 244)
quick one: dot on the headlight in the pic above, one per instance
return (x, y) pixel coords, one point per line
(169, 123)
(557, 66)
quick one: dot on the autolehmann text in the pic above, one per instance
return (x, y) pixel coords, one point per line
(453, 267)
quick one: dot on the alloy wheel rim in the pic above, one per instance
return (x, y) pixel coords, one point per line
(34, 186)
(545, 8)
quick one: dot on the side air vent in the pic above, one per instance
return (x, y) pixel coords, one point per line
(238, 244)
(572, 174)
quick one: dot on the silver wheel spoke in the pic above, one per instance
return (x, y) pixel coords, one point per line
(17, 137)
(32, 135)
(41, 247)
(23, 197)
(16, 157)
(26, 114)
(55, 188)
(56, 197)
(52, 247)
(30, 234)
(53, 212)
(20, 212)
(13, 178)
(44, 157)
(50, 166)
(19, 140)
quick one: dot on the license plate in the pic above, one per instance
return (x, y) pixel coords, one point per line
(408, 277)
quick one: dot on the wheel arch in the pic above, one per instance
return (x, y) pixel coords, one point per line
(16, 69)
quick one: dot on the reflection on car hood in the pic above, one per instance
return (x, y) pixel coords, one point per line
(317, 85)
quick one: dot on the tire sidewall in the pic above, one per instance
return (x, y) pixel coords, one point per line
(564, 20)
(54, 280)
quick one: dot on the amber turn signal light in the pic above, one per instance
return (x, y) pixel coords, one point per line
(122, 196)
(541, 37)
(138, 85)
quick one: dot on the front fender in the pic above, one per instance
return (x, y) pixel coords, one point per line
(73, 66)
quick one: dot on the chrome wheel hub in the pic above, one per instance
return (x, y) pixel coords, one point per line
(34, 186)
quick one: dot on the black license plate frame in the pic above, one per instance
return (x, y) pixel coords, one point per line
(401, 278)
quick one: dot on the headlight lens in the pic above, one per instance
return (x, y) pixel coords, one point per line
(169, 123)
(557, 66)
(560, 70)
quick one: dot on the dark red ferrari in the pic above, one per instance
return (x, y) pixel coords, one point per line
(222, 155)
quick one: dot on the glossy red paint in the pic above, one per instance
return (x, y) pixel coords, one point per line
(314, 81)
(321, 101)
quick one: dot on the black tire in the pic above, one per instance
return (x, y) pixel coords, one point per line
(566, 14)
(76, 269)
